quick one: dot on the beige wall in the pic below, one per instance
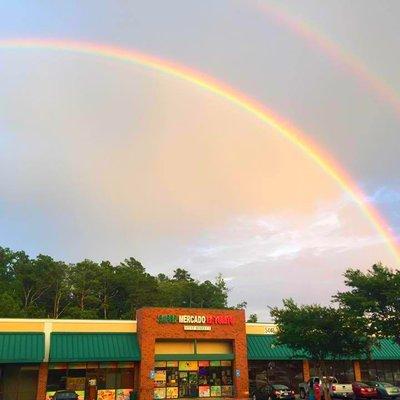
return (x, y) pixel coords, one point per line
(214, 347)
(174, 347)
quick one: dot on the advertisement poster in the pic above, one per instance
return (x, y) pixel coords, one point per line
(188, 366)
(172, 364)
(123, 394)
(172, 393)
(106, 394)
(226, 363)
(215, 391)
(159, 393)
(227, 391)
(81, 394)
(49, 395)
(76, 383)
(204, 391)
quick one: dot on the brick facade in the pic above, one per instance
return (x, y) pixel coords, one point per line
(149, 329)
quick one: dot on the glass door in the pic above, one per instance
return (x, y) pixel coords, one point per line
(183, 384)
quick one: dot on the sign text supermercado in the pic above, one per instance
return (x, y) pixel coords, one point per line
(195, 319)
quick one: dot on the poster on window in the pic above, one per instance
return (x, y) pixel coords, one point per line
(76, 383)
(172, 392)
(227, 391)
(188, 366)
(159, 393)
(49, 395)
(204, 391)
(124, 394)
(106, 394)
(81, 394)
(215, 391)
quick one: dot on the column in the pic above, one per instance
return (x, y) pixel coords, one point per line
(357, 370)
(306, 370)
(42, 381)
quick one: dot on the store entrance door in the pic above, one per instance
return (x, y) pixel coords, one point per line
(188, 384)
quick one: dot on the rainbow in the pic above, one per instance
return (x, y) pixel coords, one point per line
(352, 64)
(211, 85)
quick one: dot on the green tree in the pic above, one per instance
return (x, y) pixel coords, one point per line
(374, 296)
(252, 318)
(320, 333)
(84, 280)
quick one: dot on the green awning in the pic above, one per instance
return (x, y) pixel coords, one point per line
(263, 347)
(82, 347)
(21, 347)
(387, 350)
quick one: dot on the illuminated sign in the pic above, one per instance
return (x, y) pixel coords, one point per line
(195, 319)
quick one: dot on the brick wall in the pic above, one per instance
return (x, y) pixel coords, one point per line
(149, 330)
(42, 381)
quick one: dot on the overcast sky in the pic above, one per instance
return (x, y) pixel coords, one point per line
(102, 159)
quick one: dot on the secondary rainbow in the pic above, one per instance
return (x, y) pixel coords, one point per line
(281, 126)
(350, 63)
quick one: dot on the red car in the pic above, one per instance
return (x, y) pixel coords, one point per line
(363, 391)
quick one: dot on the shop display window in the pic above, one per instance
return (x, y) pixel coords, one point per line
(109, 381)
(185, 379)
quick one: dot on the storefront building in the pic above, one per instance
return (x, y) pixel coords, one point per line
(165, 354)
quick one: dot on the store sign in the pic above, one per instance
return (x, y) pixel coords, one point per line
(197, 328)
(271, 330)
(195, 319)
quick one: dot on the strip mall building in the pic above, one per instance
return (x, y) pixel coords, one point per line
(165, 354)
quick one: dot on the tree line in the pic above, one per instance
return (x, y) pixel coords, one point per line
(42, 287)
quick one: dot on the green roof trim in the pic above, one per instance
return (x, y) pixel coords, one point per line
(262, 347)
(194, 357)
(21, 347)
(83, 347)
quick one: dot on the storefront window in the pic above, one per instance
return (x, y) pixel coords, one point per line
(92, 381)
(185, 379)
(289, 373)
(343, 371)
(385, 371)
(18, 382)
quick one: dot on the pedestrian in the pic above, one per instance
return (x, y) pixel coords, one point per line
(311, 395)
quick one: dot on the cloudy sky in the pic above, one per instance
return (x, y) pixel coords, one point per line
(104, 159)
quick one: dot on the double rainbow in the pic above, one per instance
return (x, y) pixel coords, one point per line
(283, 127)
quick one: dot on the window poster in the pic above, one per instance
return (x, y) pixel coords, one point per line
(204, 363)
(226, 363)
(124, 394)
(227, 391)
(106, 394)
(76, 383)
(172, 392)
(172, 364)
(81, 394)
(160, 364)
(215, 391)
(188, 366)
(204, 391)
(159, 393)
(215, 363)
(160, 378)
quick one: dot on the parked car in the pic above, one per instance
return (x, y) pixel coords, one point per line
(363, 390)
(273, 392)
(339, 390)
(385, 390)
(65, 395)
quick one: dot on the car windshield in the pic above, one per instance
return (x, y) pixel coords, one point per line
(362, 384)
(280, 387)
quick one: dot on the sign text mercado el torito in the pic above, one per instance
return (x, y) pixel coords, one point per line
(204, 320)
